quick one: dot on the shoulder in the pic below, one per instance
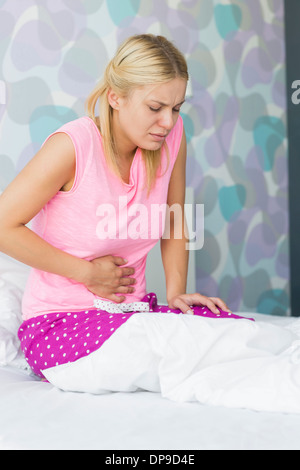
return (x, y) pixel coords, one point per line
(72, 140)
(80, 127)
(80, 132)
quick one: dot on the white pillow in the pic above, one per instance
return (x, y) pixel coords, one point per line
(13, 276)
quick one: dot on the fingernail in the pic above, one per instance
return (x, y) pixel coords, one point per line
(190, 312)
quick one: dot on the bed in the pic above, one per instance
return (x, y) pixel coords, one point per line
(34, 415)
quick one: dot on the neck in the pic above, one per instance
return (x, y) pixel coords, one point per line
(125, 149)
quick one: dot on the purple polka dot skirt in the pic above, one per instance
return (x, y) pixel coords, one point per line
(58, 338)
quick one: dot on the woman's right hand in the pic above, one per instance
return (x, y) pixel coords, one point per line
(107, 277)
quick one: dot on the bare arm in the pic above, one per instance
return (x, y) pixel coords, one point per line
(52, 168)
(174, 253)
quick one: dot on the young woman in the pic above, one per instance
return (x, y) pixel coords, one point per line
(98, 169)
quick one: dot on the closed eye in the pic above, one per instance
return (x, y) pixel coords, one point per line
(156, 110)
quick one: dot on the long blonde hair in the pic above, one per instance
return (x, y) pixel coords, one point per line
(143, 59)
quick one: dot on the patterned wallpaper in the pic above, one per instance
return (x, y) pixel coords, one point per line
(53, 51)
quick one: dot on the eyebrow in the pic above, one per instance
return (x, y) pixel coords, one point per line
(164, 104)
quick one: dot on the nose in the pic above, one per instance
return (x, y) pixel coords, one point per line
(167, 119)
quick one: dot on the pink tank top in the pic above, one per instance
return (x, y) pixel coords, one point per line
(100, 215)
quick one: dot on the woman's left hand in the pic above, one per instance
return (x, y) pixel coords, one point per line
(184, 302)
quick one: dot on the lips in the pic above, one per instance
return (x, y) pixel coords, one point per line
(159, 137)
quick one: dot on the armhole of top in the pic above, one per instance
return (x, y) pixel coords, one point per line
(77, 167)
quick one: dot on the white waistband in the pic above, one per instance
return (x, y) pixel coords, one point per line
(112, 307)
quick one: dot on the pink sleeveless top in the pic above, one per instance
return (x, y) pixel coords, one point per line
(100, 215)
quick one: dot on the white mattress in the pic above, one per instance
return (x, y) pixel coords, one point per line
(35, 415)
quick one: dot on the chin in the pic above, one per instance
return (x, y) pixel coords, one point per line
(154, 146)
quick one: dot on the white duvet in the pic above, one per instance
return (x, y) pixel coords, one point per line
(224, 362)
(231, 363)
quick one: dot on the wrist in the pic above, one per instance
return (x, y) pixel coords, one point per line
(171, 296)
(83, 273)
(175, 286)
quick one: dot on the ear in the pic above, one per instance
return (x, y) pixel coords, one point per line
(113, 99)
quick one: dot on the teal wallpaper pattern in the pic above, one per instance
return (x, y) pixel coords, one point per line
(53, 51)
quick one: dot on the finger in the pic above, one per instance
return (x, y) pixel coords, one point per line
(198, 299)
(212, 307)
(119, 260)
(127, 271)
(125, 290)
(221, 304)
(181, 305)
(208, 302)
(126, 281)
(117, 298)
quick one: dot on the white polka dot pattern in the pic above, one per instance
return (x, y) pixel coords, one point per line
(122, 307)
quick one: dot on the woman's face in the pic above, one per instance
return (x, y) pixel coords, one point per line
(146, 117)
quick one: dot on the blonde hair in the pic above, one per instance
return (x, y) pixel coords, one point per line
(143, 59)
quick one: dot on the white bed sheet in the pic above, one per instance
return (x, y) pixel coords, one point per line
(35, 415)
